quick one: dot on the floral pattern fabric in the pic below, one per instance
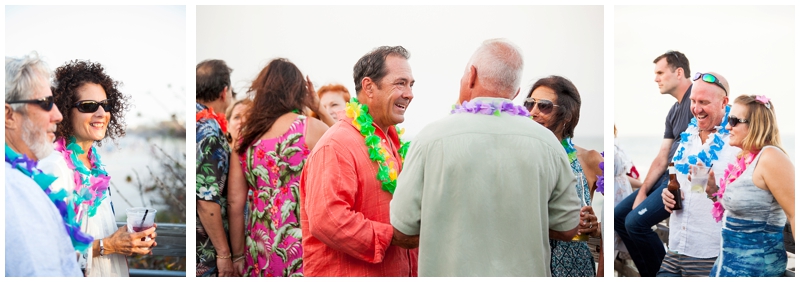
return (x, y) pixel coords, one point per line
(272, 170)
(573, 259)
(213, 155)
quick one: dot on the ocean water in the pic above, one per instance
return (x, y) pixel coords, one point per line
(135, 154)
(642, 149)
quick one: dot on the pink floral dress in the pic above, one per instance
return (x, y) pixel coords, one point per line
(272, 235)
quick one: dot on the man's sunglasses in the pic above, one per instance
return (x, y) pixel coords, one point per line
(46, 103)
(710, 78)
(89, 106)
(733, 121)
(545, 106)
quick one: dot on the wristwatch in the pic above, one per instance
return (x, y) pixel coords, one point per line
(102, 250)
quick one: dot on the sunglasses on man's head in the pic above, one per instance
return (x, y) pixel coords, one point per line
(89, 106)
(733, 121)
(674, 53)
(545, 106)
(45, 103)
(710, 78)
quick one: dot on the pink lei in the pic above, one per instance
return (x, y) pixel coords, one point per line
(733, 172)
(91, 184)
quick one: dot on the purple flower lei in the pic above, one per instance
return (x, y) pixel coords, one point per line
(490, 108)
(600, 178)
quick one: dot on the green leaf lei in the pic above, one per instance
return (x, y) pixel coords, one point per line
(362, 121)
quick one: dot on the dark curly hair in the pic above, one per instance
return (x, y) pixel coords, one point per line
(73, 75)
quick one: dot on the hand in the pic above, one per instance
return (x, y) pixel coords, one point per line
(311, 91)
(225, 267)
(122, 242)
(238, 266)
(588, 223)
(711, 187)
(640, 197)
(404, 241)
(668, 199)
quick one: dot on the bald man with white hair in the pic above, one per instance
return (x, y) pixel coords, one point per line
(486, 187)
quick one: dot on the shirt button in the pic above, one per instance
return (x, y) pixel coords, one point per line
(684, 228)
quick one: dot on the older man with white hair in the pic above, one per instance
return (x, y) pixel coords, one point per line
(486, 187)
(37, 243)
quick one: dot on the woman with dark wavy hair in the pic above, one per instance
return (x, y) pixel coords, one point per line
(94, 111)
(275, 142)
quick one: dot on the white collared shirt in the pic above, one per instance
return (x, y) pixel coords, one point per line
(692, 230)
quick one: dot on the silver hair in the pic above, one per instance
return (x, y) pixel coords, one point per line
(499, 64)
(23, 75)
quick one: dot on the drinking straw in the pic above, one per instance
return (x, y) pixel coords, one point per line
(145, 216)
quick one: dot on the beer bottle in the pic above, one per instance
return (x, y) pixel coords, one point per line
(674, 188)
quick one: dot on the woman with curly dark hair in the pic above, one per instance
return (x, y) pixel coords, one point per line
(93, 110)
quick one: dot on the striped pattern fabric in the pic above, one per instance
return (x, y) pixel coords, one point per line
(675, 264)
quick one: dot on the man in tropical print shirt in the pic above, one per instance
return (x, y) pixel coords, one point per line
(214, 95)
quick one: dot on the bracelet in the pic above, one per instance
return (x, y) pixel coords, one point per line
(102, 249)
(238, 258)
(224, 257)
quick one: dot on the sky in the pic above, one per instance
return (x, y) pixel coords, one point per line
(753, 47)
(144, 47)
(325, 43)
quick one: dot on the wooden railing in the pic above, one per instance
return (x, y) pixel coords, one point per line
(171, 242)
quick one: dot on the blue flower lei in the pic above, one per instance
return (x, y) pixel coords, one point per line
(80, 240)
(570, 148)
(706, 156)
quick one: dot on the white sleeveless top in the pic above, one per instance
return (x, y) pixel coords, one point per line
(100, 226)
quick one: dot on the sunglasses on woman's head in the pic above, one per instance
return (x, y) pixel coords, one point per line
(733, 121)
(545, 106)
(89, 106)
(710, 78)
(45, 103)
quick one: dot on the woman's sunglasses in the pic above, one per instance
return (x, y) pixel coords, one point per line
(733, 121)
(89, 106)
(46, 103)
(545, 106)
(710, 78)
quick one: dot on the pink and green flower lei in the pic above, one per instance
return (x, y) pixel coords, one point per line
(91, 185)
(60, 198)
(732, 172)
(387, 170)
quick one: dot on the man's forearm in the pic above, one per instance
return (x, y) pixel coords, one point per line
(211, 219)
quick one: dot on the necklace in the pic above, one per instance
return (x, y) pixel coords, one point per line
(387, 170)
(570, 148)
(208, 113)
(80, 240)
(91, 185)
(706, 155)
(732, 172)
(476, 106)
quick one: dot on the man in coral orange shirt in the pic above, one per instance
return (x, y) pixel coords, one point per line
(350, 176)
